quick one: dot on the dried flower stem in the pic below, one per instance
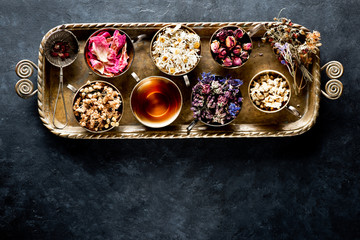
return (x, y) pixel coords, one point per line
(294, 47)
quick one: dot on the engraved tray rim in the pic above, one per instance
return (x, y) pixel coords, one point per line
(314, 91)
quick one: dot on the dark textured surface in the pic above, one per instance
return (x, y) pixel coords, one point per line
(304, 187)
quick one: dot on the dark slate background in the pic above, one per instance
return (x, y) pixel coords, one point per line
(304, 187)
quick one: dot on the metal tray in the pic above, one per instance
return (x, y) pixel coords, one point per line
(249, 123)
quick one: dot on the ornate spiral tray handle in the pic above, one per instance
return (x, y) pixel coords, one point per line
(24, 87)
(333, 88)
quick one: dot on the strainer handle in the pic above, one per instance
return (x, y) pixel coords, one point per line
(255, 29)
(191, 126)
(24, 87)
(333, 88)
(186, 80)
(139, 39)
(60, 90)
(293, 110)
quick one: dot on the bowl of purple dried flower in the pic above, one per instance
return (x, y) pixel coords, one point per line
(215, 101)
(230, 47)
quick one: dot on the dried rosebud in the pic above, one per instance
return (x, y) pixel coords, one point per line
(57, 46)
(221, 35)
(227, 62)
(62, 56)
(230, 32)
(244, 55)
(237, 50)
(230, 42)
(237, 61)
(215, 46)
(238, 33)
(247, 46)
(222, 53)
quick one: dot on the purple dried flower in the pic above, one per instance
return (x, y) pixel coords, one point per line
(196, 112)
(227, 94)
(197, 88)
(236, 91)
(198, 100)
(211, 103)
(215, 46)
(219, 116)
(222, 100)
(227, 62)
(207, 77)
(235, 82)
(233, 109)
(230, 42)
(208, 114)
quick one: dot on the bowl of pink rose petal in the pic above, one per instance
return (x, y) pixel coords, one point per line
(230, 47)
(109, 52)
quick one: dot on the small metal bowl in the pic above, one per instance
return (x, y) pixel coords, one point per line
(154, 39)
(286, 105)
(77, 92)
(130, 51)
(231, 27)
(195, 121)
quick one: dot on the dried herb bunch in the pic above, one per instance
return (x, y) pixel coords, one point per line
(295, 49)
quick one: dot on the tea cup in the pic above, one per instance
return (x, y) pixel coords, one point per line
(155, 101)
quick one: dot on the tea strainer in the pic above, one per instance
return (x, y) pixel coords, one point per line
(68, 37)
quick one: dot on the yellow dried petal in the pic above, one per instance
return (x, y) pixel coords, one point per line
(161, 39)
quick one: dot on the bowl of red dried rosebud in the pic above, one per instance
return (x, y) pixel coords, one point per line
(230, 47)
(109, 52)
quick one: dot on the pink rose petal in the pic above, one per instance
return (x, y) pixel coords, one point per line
(99, 66)
(103, 53)
(100, 47)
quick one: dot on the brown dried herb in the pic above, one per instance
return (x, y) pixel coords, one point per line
(294, 47)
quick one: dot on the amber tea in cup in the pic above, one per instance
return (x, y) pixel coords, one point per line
(156, 101)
